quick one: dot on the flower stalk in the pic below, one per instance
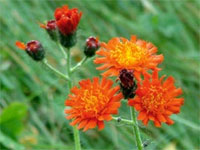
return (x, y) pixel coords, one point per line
(126, 121)
(136, 129)
(62, 50)
(75, 130)
(79, 64)
(55, 70)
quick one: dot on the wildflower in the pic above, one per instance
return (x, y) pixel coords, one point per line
(51, 29)
(33, 48)
(120, 53)
(156, 99)
(67, 19)
(92, 44)
(127, 83)
(93, 103)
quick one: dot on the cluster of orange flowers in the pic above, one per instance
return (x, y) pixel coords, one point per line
(134, 63)
(155, 99)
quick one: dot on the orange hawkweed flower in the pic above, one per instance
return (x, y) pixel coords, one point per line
(156, 99)
(120, 53)
(67, 19)
(93, 103)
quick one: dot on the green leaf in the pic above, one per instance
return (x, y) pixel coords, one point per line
(12, 117)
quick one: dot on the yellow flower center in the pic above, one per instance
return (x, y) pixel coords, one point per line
(128, 55)
(154, 100)
(93, 100)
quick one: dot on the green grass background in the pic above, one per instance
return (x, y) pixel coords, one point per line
(32, 97)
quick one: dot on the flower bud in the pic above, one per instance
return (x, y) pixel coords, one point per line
(51, 29)
(33, 48)
(67, 21)
(127, 83)
(92, 44)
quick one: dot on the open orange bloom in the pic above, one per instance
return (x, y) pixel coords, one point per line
(156, 99)
(93, 103)
(120, 53)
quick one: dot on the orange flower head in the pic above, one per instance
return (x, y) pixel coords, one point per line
(120, 53)
(93, 103)
(67, 19)
(156, 99)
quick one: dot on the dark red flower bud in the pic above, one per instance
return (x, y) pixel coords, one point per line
(127, 83)
(33, 48)
(51, 25)
(51, 29)
(91, 46)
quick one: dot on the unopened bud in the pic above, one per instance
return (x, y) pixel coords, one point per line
(51, 29)
(35, 50)
(92, 44)
(127, 83)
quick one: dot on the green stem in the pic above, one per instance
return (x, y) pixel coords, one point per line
(62, 50)
(79, 64)
(75, 130)
(136, 129)
(126, 121)
(55, 70)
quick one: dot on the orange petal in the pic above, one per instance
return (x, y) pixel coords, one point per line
(70, 117)
(82, 123)
(74, 122)
(142, 115)
(20, 45)
(131, 102)
(169, 121)
(151, 117)
(118, 97)
(68, 111)
(157, 123)
(91, 124)
(175, 109)
(100, 60)
(100, 125)
(75, 90)
(112, 91)
(161, 118)
(42, 25)
(145, 121)
(133, 38)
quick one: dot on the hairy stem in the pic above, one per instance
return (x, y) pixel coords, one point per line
(75, 130)
(120, 120)
(62, 50)
(136, 129)
(55, 70)
(79, 64)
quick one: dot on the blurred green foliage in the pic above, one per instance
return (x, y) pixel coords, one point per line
(32, 97)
